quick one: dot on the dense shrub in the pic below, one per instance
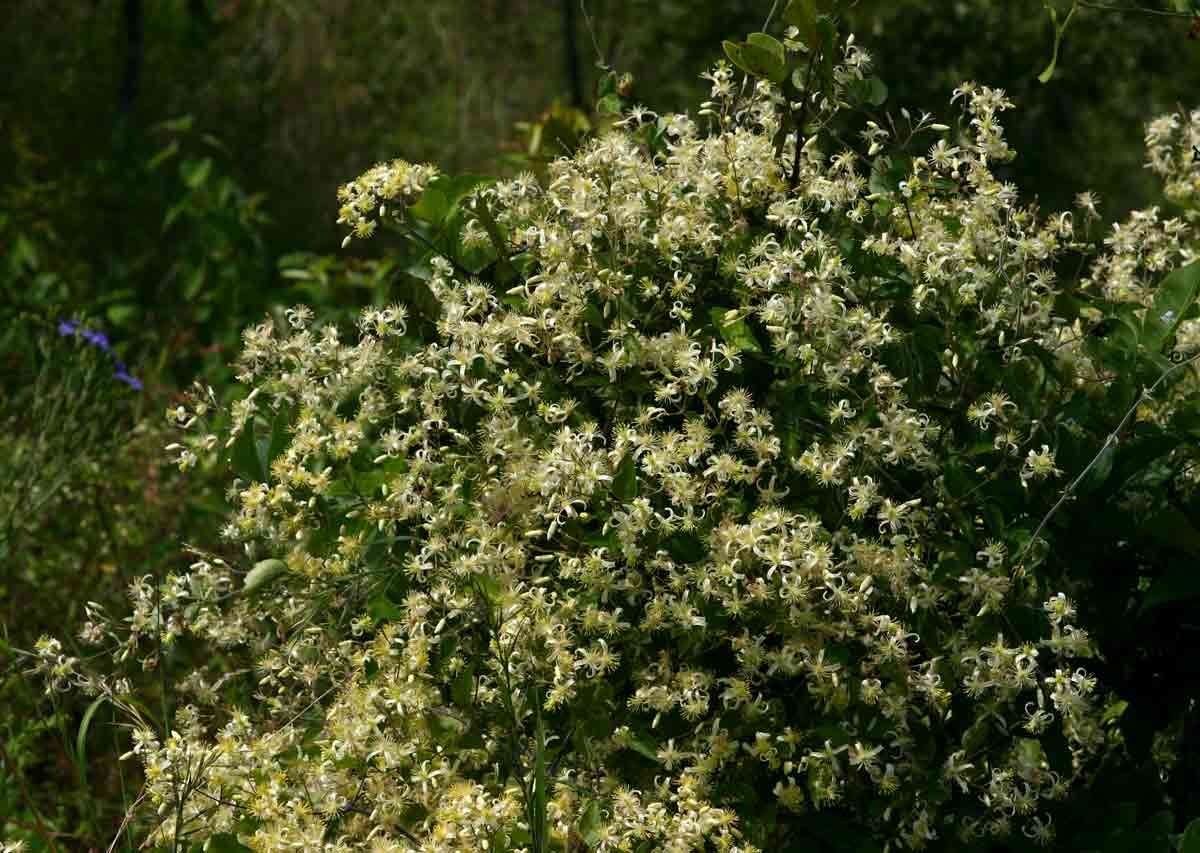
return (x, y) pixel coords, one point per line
(719, 492)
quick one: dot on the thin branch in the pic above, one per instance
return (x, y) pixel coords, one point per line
(1109, 442)
(1132, 10)
(770, 16)
(805, 95)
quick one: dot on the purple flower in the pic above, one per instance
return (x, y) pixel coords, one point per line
(131, 381)
(99, 340)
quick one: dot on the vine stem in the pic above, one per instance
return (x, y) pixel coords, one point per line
(1109, 442)
(805, 95)
(1133, 10)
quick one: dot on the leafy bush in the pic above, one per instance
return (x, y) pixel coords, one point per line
(721, 491)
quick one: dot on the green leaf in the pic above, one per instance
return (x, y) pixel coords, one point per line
(279, 440)
(609, 105)
(1181, 582)
(165, 154)
(432, 206)
(827, 32)
(263, 573)
(733, 50)
(507, 271)
(1172, 299)
(462, 689)
(194, 282)
(886, 175)
(590, 823)
(761, 57)
(444, 195)
(643, 748)
(195, 172)
(383, 609)
(224, 842)
(737, 333)
(624, 484)
(81, 736)
(1189, 842)
(773, 47)
(120, 315)
(871, 91)
(879, 92)
(607, 84)
(1099, 472)
(182, 124)
(243, 456)
(1059, 29)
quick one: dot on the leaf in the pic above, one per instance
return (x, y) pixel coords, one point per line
(871, 91)
(383, 609)
(194, 282)
(762, 57)
(165, 154)
(263, 573)
(280, 438)
(1099, 472)
(590, 823)
(121, 314)
(81, 737)
(772, 46)
(642, 748)
(828, 37)
(607, 84)
(1059, 30)
(195, 172)
(609, 105)
(886, 175)
(1189, 842)
(224, 842)
(432, 206)
(243, 456)
(177, 125)
(1173, 297)
(733, 50)
(462, 689)
(443, 196)
(737, 334)
(1046, 74)
(507, 271)
(1181, 582)
(24, 254)
(624, 484)
(879, 92)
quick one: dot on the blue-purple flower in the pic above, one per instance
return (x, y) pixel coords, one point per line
(66, 328)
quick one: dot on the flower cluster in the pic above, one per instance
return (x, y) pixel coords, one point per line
(671, 527)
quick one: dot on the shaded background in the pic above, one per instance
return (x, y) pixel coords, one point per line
(168, 171)
(287, 99)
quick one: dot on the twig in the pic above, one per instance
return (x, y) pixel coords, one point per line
(812, 61)
(1134, 10)
(1110, 441)
(770, 15)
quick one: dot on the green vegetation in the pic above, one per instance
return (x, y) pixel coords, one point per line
(801, 457)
